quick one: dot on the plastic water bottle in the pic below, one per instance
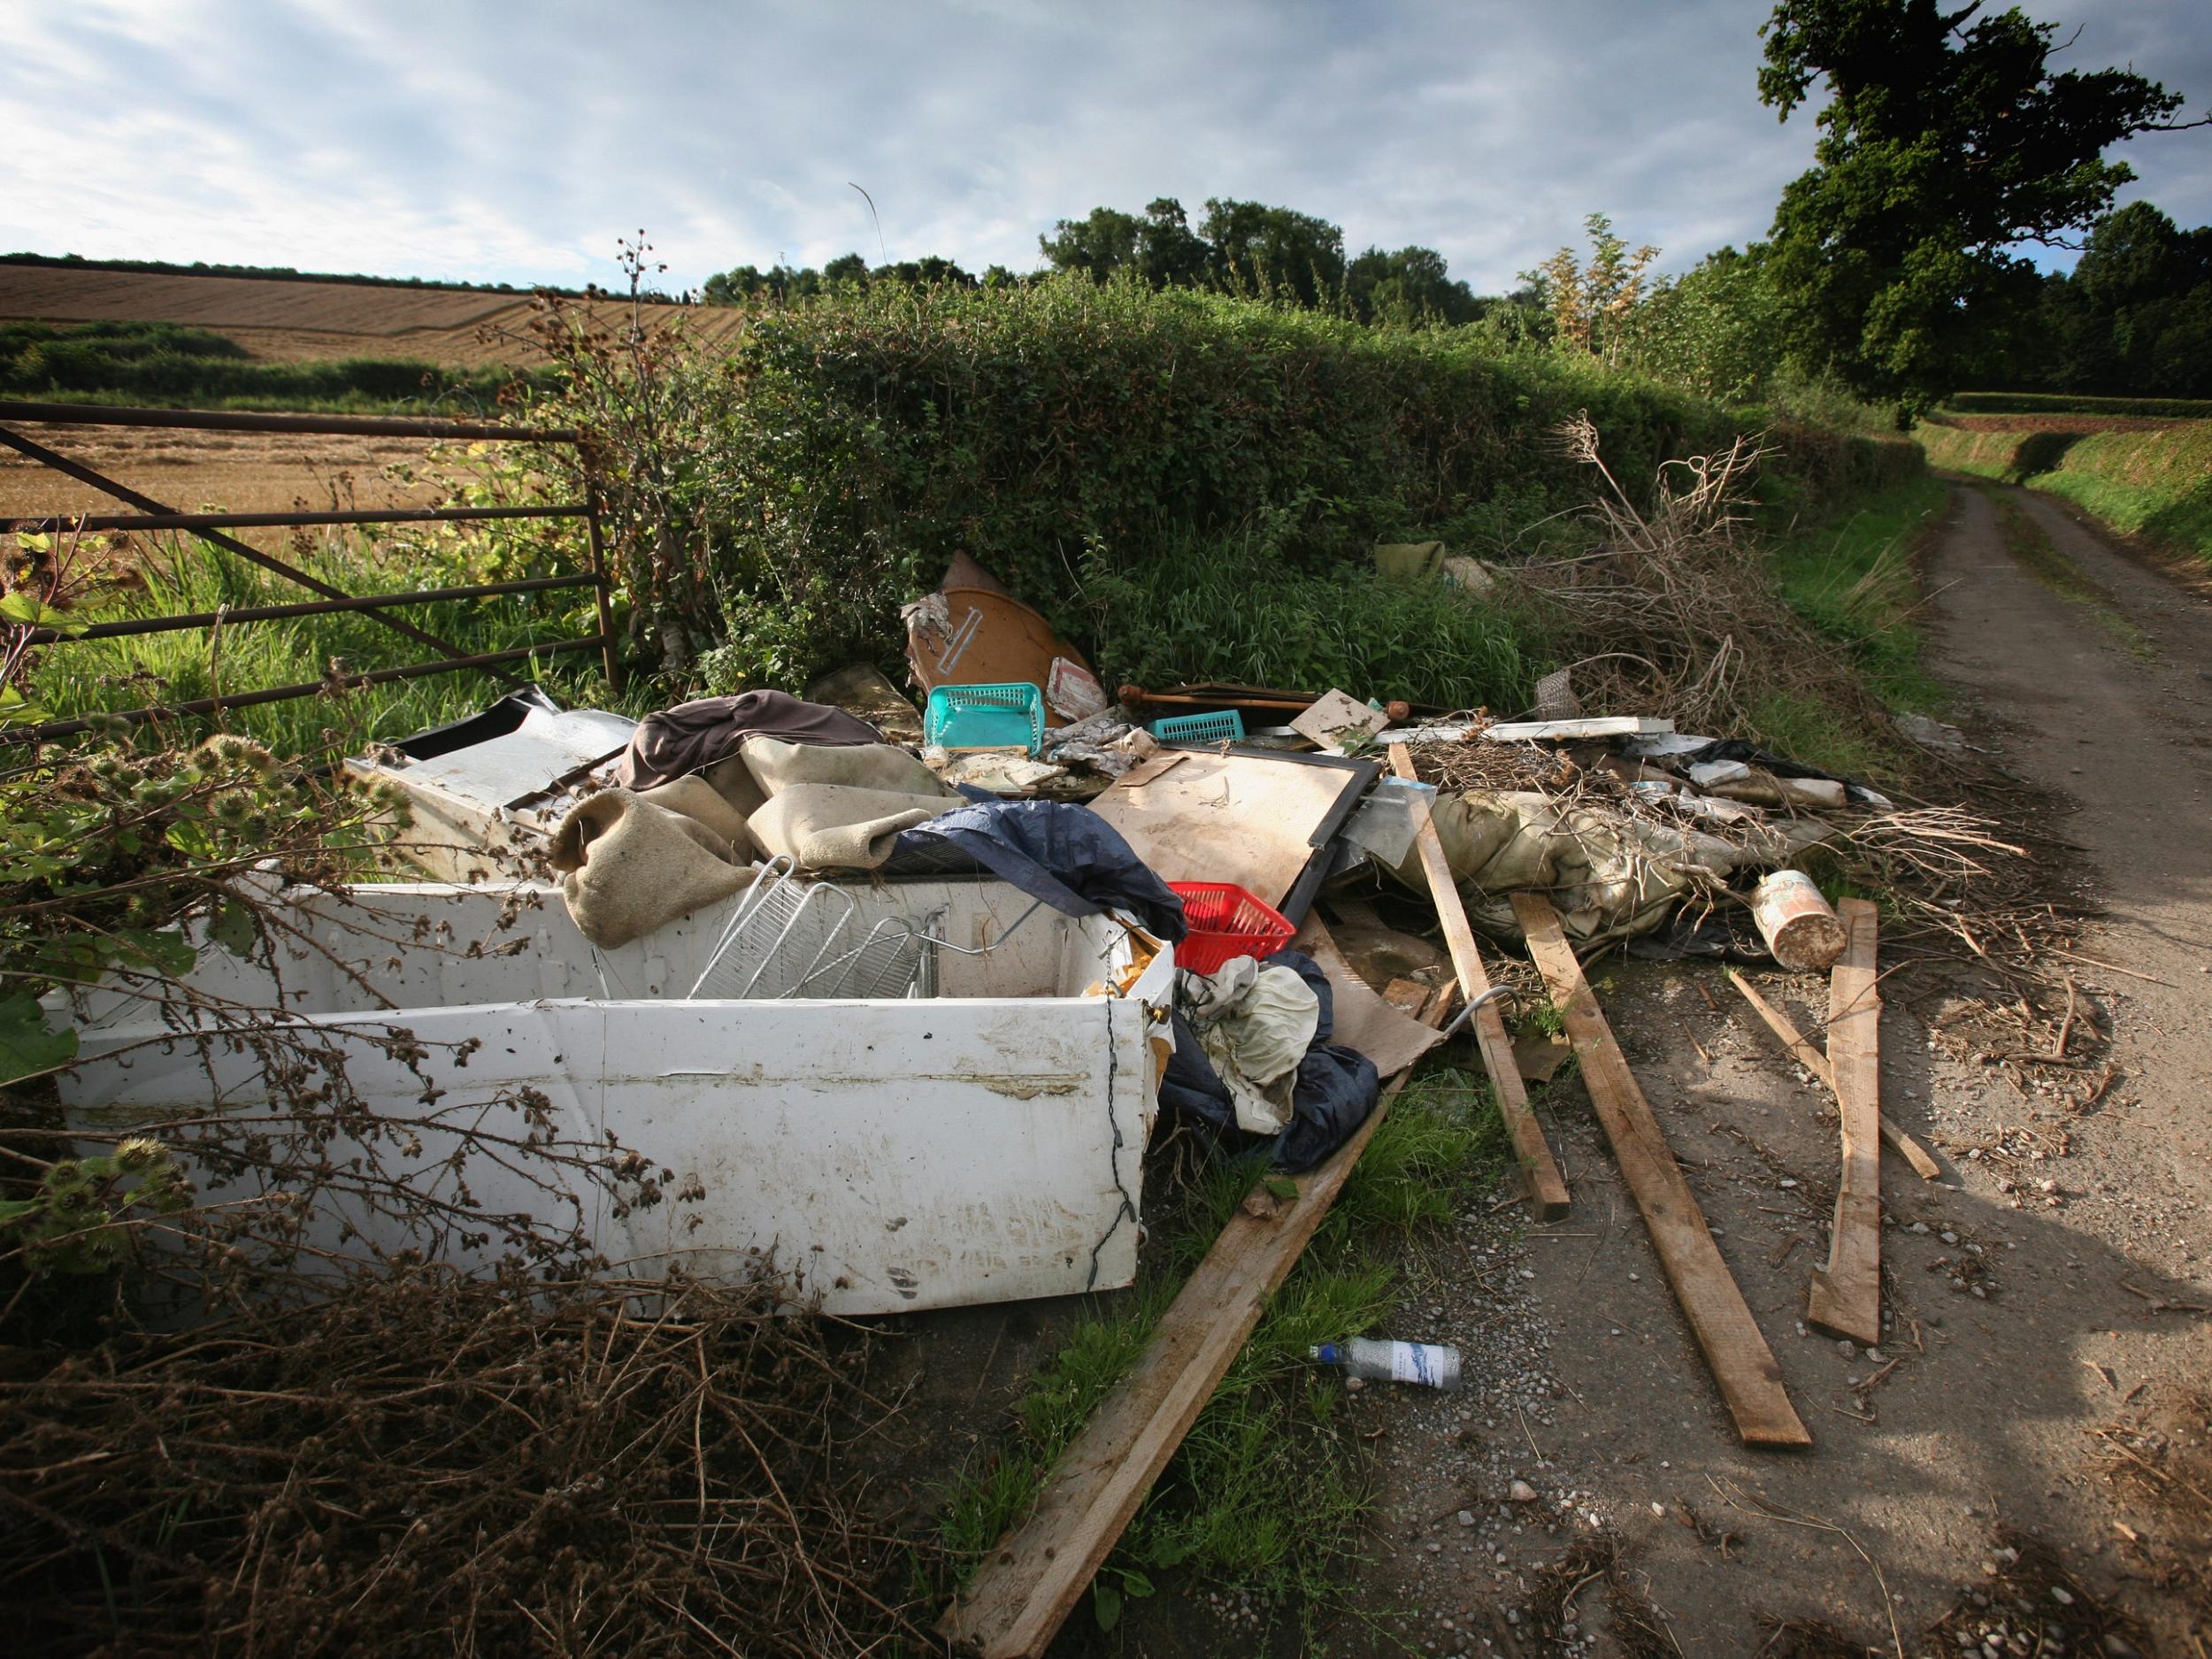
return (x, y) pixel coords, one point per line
(1429, 1364)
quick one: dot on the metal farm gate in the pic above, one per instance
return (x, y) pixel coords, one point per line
(214, 528)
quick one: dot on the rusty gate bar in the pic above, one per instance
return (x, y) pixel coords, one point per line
(603, 588)
(213, 526)
(84, 474)
(91, 521)
(186, 621)
(240, 420)
(280, 694)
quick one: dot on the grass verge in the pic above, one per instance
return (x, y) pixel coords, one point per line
(2070, 404)
(1268, 1492)
(2155, 485)
(1852, 576)
(1237, 611)
(1852, 573)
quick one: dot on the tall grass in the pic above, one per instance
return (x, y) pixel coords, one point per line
(175, 574)
(1236, 611)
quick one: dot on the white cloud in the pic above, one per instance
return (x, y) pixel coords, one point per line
(496, 139)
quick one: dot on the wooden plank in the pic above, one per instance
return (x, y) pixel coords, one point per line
(1847, 1294)
(1546, 1193)
(1896, 1139)
(1742, 1364)
(1036, 1573)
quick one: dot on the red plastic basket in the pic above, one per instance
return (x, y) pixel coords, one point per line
(1225, 922)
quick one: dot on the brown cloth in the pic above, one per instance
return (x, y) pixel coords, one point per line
(678, 741)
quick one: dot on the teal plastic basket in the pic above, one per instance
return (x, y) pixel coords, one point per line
(985, 717)
(1226, 726)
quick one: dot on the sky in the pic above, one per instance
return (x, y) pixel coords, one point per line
(516, 139)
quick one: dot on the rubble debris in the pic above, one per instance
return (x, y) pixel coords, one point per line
(864, 692)
(1929, 733)
(1248, 700)
(1846, 1299)
(486, 792)
(1546, 1192)
(1578, 729)
(1738, 780)
(1742, 1364)
(1000, 773)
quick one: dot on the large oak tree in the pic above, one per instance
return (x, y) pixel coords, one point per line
(1947, 141)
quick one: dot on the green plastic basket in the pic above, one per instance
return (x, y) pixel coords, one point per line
(1010, 715)
(1226, 726)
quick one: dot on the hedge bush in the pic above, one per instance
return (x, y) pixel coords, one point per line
(1064, 433)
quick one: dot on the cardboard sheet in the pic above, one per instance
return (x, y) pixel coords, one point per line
(1251, 819)
(1364, 1021)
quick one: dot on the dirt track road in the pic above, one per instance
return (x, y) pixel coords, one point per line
(2088, 1234)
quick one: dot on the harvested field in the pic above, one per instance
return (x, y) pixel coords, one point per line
(242, 471)
(284, 321)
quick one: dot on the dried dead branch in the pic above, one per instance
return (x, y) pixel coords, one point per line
(1678, 616)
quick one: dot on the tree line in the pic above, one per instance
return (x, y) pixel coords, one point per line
(1246, 248)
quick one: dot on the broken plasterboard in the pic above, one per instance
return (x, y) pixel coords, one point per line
(1587, 726)
(1339, 721)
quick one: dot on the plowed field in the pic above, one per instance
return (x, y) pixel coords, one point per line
(308, 321)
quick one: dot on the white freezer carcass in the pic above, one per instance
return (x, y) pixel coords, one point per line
(980, 1144)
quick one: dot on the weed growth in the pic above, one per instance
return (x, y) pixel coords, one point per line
(2030, 546)
(1852, 578)
(182, 575)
